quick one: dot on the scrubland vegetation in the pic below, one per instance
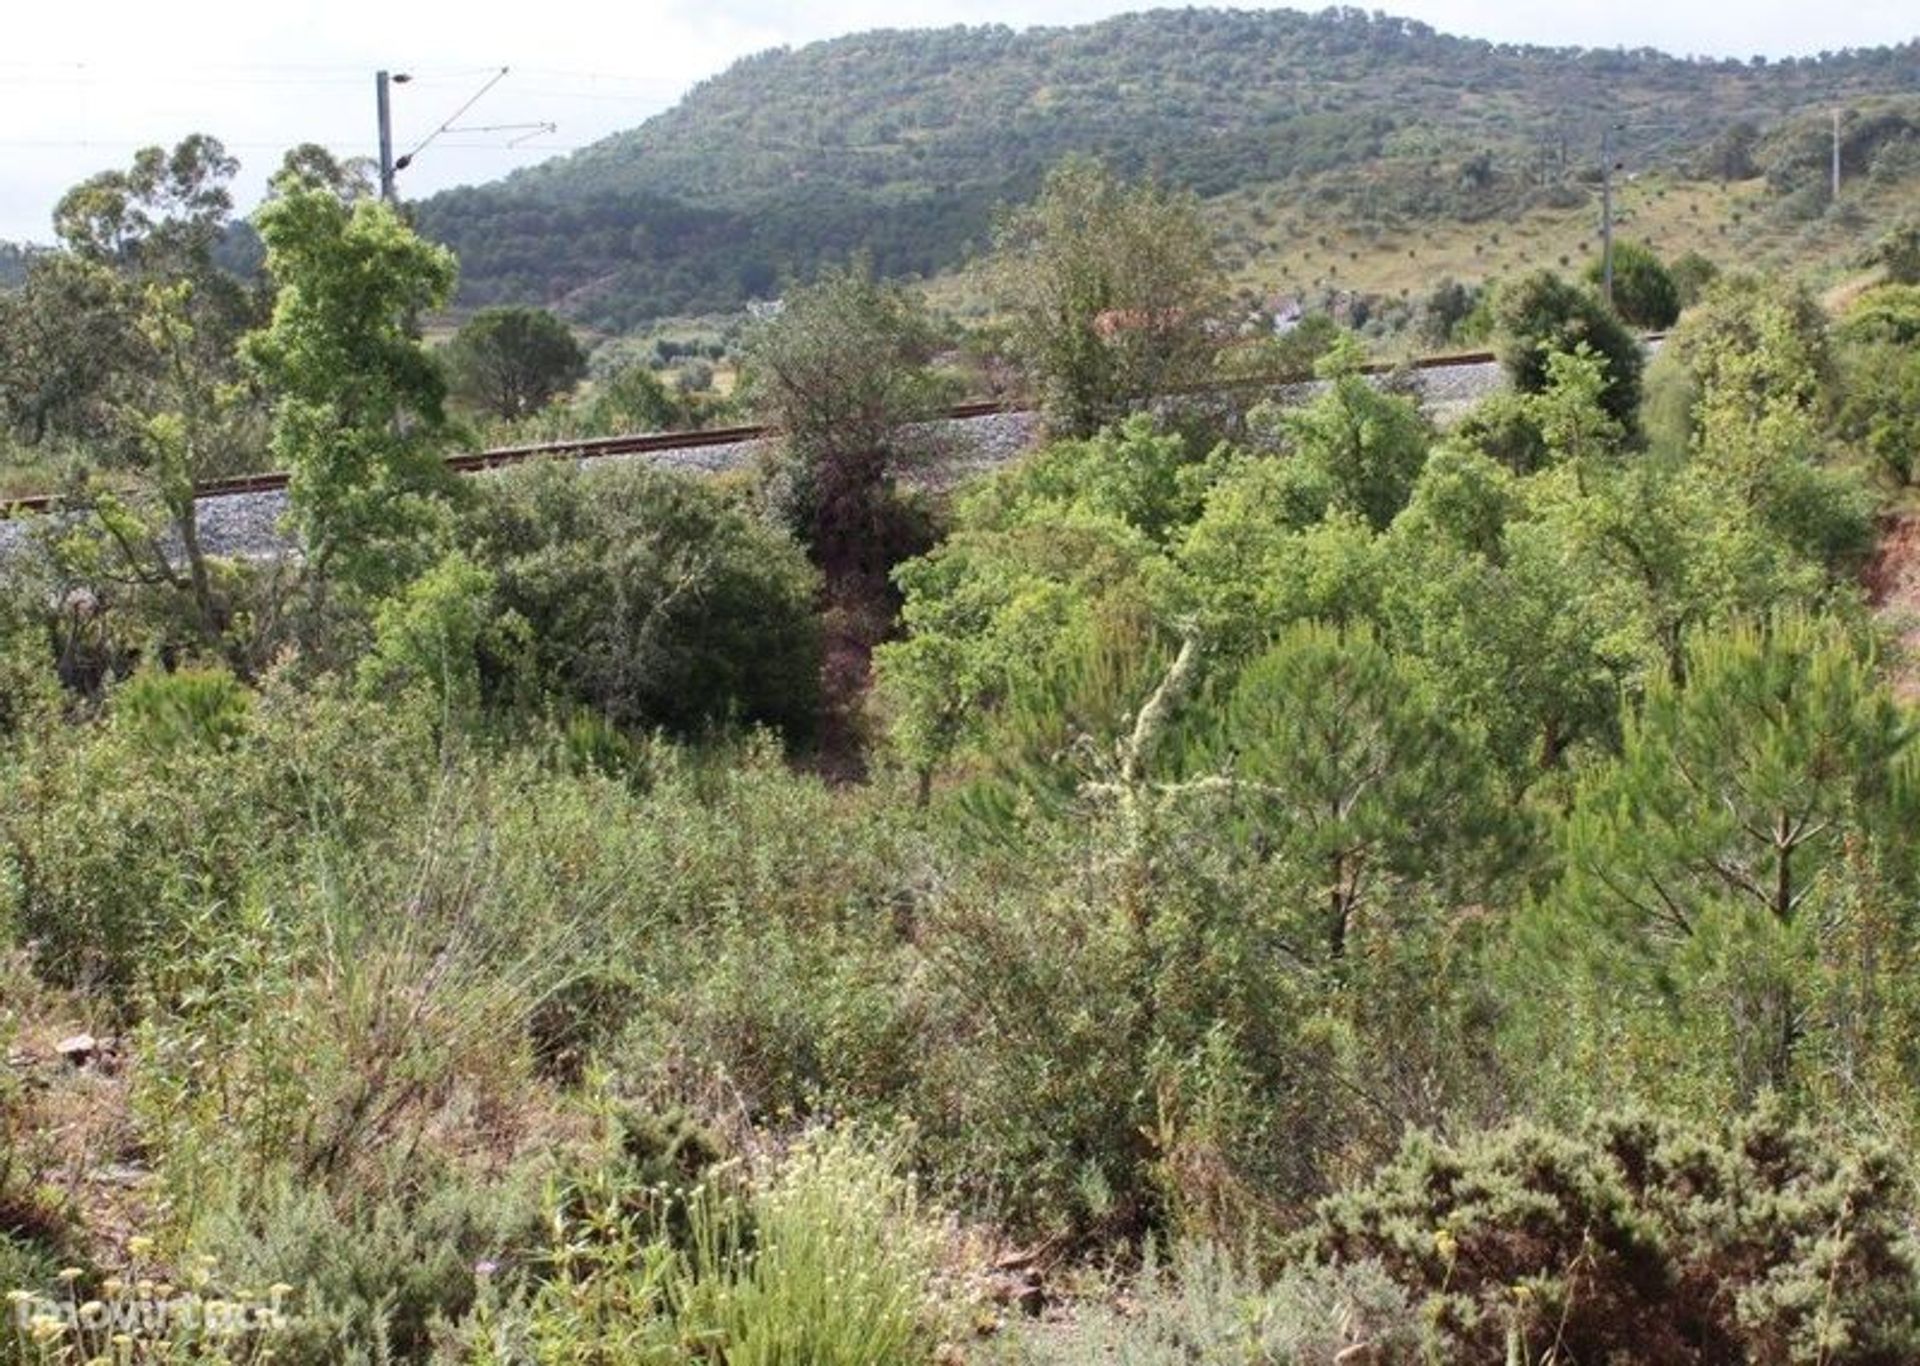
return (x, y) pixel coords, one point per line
(1249, 883)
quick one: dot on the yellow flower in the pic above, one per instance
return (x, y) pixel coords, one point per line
(1445, 1244)
(140, 1245)
(70, 1274)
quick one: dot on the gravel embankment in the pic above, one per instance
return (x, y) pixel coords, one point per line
(246, 525)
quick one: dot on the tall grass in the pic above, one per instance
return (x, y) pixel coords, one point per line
(824, 1261)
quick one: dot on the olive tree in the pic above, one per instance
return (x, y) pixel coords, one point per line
(514, 361)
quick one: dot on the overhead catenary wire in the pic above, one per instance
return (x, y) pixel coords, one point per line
(451, 119)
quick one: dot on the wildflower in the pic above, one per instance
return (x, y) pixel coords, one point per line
(1445, 1244)
(139, 1245)
(486, 1266)
(70, 1274)
(45, 1328)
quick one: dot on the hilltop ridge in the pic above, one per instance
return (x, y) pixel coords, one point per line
(901, 143)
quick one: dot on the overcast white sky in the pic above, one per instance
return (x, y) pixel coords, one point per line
(82, 85)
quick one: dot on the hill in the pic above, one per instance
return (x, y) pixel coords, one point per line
(902, 144)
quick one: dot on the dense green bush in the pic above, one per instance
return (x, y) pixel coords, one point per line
(1645, 293)
(1878, 357)
(1641, 1239)
(1541, 314)
(645, 597)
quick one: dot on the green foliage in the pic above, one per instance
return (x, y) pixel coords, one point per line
(376, 1284)
(513, 361)
(1716, 866)
(1879, 363)
(430, 635)
(358, 418)
(145, 831)
(167, 208)
(1364, 446)
(1639, 1238)
(841, 372)
(1111, 288)
(1353, 775)
(1692, 273)
(1645, 293)
(639, 594)
(1542, 314)
(1131, 475)
(65, 336)
(1045, 557)
(1898, 254)
(1760, 360)
(635, 400)
(1885, 313)
(166, 712)
(824, 1260)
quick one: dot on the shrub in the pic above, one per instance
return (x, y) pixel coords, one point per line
(825, 1260)
(646, 598)
(1645, 293)
(373, 1283)
(1202, 1306)
(189, 707)
(1541, 314)
(1641, 1239)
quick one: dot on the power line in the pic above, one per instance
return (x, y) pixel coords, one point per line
(447, 126)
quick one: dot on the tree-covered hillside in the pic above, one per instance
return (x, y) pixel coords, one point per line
(902, 143)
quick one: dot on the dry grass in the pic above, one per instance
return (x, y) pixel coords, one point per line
(1275, 244)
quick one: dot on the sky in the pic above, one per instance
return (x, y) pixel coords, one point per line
(83, 85)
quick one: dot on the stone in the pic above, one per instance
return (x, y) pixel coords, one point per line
(78, 1050)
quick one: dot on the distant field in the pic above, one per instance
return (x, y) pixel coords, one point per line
(1732, 225)
(1271, 245)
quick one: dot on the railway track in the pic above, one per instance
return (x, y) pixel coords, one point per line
(590, 448)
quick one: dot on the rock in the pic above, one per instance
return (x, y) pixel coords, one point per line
(1021, 1290)
(77, 1050)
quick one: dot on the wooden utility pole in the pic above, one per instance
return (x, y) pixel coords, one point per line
(1606, 216)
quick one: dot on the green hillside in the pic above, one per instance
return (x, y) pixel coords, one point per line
(902, 143)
